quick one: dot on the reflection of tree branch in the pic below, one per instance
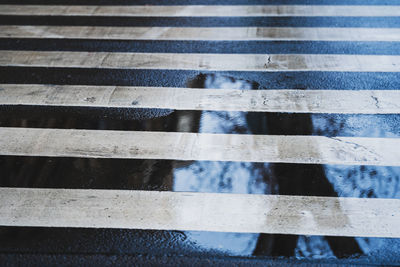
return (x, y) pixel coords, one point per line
(396, 186)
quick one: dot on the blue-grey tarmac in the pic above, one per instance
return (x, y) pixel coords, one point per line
(39, 246)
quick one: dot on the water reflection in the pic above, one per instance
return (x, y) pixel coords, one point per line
(250, 178)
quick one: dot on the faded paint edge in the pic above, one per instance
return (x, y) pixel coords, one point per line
(202, 34)
(201, 10)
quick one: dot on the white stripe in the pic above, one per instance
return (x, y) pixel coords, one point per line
(206, 33)
(193, 146)
(300, 215)
(198, 10)
(212, 62)
(302, 101)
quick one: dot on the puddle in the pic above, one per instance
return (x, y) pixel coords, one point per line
(251, 178)
(220, 177)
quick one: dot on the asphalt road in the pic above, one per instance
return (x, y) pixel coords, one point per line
(83, 246)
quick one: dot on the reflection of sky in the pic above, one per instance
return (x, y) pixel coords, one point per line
(356, 125)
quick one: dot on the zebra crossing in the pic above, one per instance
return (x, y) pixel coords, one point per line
(362, 78)
(200, 146)
(211, 62)
(203, 11)
(197, 211)
(200, 34)
(294, 100)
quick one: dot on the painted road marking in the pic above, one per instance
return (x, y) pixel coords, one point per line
(301, 215)
(297, 101)
(204, 34)
(201, 10)
(195, 146)
(211, 62)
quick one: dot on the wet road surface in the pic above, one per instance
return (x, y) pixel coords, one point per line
(341, 73)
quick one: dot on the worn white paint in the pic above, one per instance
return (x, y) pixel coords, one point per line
(202, 10)
(297, 101)
(212, 62)
(206, 33)
(194, 146)
(276, 214)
